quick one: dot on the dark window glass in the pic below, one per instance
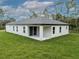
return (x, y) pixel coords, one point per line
(60, 30)
(35, 30)
(32, 31)
(66, 27)
(17, 28)
(53, 30)
(13, 28)
(24, 30)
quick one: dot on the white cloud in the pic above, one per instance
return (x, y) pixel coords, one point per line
(18, 12)
(36, 4)
(22, 11)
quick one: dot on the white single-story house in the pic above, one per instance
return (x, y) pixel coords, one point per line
(39, 28)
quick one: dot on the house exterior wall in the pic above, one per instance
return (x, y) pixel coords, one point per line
(64, 30)
(45, 32)
(48, 31)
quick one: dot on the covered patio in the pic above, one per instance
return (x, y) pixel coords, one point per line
(39, 32)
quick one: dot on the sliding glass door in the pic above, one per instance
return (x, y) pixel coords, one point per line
(33, 31)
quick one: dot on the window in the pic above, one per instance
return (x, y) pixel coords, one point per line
(17, 28)
(53, 30)
(13, 28)
(60, 29)
(66, 27)
(24, 30)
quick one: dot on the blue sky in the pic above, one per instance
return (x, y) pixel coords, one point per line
(19, 8)
(15, 3)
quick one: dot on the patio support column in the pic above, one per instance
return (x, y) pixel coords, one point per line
(41, 31)
(27, 30)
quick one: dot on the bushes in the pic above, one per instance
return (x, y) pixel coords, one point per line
(2, 28)
(76, 30)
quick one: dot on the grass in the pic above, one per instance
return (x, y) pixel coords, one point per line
(13, 46)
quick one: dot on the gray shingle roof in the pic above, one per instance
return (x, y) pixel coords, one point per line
(38, 21)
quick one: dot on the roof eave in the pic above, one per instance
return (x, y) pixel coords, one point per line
(37, 24)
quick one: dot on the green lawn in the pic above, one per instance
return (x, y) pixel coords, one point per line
(18, 47)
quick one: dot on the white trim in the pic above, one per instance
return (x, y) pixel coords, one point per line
(41, 32)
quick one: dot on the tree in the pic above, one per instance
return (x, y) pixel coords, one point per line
(1, 12)
(45, 12)
(1, 16)
(58, 16)
(70, 4)
(56, 8)
(33, 14)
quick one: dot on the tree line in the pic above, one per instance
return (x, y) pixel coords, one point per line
(4, 22)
